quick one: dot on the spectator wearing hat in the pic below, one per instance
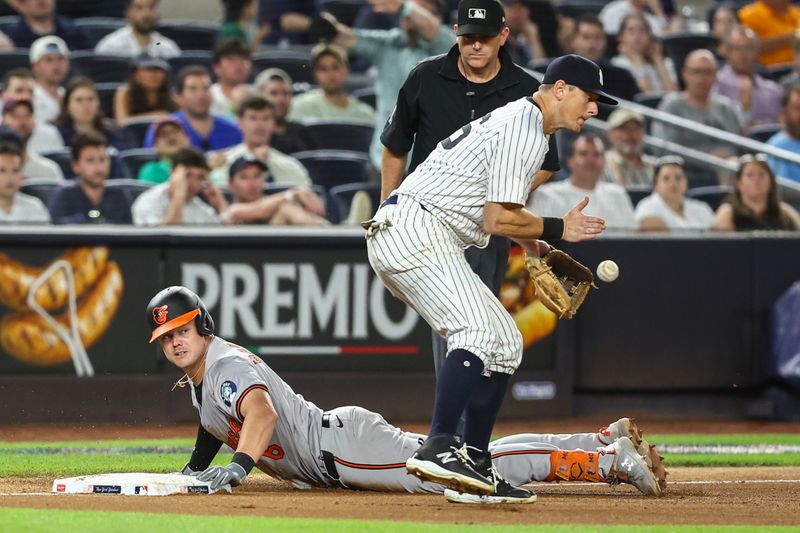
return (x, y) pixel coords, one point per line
(178, 201)
(41, 136)
(139, 37)
(16, 207)
(86, 200)
(330, 101)
(668, 208)
(420, 34)
(18, 127)
(169, 140)
(232, 67)
(608, 201)
(256, 120)
(82, 113)
(50, 64)
(288, 136)
(206, 131)
(758, 99)
(626, 162)
(147, 93)
(246, 180)
(38, 18)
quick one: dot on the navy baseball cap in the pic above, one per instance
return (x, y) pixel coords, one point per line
(243, 162)
(482, 17)
(581, 72)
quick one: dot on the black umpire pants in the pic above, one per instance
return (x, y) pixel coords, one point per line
(490, 265)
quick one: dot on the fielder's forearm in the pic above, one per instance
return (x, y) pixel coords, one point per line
(512, 221)
(393, 168)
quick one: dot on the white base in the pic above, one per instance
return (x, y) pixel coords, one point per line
(139, 484)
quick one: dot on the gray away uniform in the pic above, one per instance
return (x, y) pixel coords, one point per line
(347, 447)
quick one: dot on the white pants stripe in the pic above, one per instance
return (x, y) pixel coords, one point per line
(421, 262)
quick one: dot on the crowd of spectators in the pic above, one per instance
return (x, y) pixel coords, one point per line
(218, 136)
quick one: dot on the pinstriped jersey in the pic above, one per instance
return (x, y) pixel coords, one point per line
(492, 159)
(293, 450)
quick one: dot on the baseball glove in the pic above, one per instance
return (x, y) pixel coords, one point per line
(561, 282)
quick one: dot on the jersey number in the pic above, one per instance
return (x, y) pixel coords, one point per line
(451, 141)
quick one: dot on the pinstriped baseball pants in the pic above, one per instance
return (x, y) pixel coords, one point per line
(421, 262)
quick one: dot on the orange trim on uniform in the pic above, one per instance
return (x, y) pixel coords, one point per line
(368, 467)
(244, 393)
(522, 452)
(176, 322)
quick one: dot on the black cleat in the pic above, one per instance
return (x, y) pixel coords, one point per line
(442, 460)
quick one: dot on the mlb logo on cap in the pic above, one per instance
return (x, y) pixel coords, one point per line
(480, 17)
(477, 13)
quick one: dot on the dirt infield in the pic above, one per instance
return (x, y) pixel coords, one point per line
(755, 496)
(743, 502)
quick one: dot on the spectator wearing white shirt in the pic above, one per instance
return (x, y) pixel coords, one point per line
(668, 208)
(14, 205)
(232, 67)
(178, 201)
(614, 12)
(50, 64)
(586, 163)
(139, 37)
(18, 121)
(18, 85)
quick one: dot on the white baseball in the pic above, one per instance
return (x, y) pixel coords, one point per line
(607, 271)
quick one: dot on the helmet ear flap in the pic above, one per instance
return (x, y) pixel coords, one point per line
(204, 323)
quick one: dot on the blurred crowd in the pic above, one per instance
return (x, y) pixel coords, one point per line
(275, 113)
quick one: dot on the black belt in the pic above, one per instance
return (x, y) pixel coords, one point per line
(327, 457)
(392, 200)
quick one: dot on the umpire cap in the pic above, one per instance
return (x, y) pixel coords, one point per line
(174, 307)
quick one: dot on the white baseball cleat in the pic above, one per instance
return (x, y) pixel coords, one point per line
(624, 427)
(630, 467)
(504, 492)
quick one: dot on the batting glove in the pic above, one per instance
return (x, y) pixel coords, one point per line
(219, 476)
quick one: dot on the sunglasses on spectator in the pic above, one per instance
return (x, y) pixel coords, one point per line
(749, 158)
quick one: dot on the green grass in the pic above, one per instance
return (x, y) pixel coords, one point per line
(77, 465)
(732, 439)
(35, 521)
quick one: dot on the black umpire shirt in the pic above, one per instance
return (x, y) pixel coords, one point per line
(436, 100)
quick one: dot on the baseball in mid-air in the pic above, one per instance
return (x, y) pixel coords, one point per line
(607, 271)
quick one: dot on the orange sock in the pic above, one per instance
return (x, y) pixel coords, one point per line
(577, 465)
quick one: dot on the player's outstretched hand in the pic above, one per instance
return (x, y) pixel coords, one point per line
(220, 476)
(579, 227)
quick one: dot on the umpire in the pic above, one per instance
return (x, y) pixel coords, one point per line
(444, 93)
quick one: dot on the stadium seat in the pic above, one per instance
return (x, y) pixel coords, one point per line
(366, 95)
(7, 21)
(12, 59)
(99, 27)
(132, 187)
(41, 188)
(764, 132)
(710, 194)
(345, 11)
(297, 64)
(575, 8)
(649, 99)
(336, 135)
(540, 65)
(329, 168)
(106, 92)
(135, 129)
(100, 68)
(133, 160)
(776, 73)
(191, 35)
(189, 58)
(358, 80)
(63, 158)
(637, 192)
(678, 45)
(342, 196)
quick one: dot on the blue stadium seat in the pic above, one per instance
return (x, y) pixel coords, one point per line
(133, 188)
(135, 129)
(678, 45)
(764, 132)
(366, 95)
(7, 21)
(637, 192)
(338, 135)
(297, 64)
(106, 92)
(18, 58)
(99, 27)
(776, 73)
(191, 35)
(133, 160)
(63, 158)
(576, 8)
(710, 194)
(329, 168)
(189, 58)
(41, 188)
(100, 68)
(342, 196)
